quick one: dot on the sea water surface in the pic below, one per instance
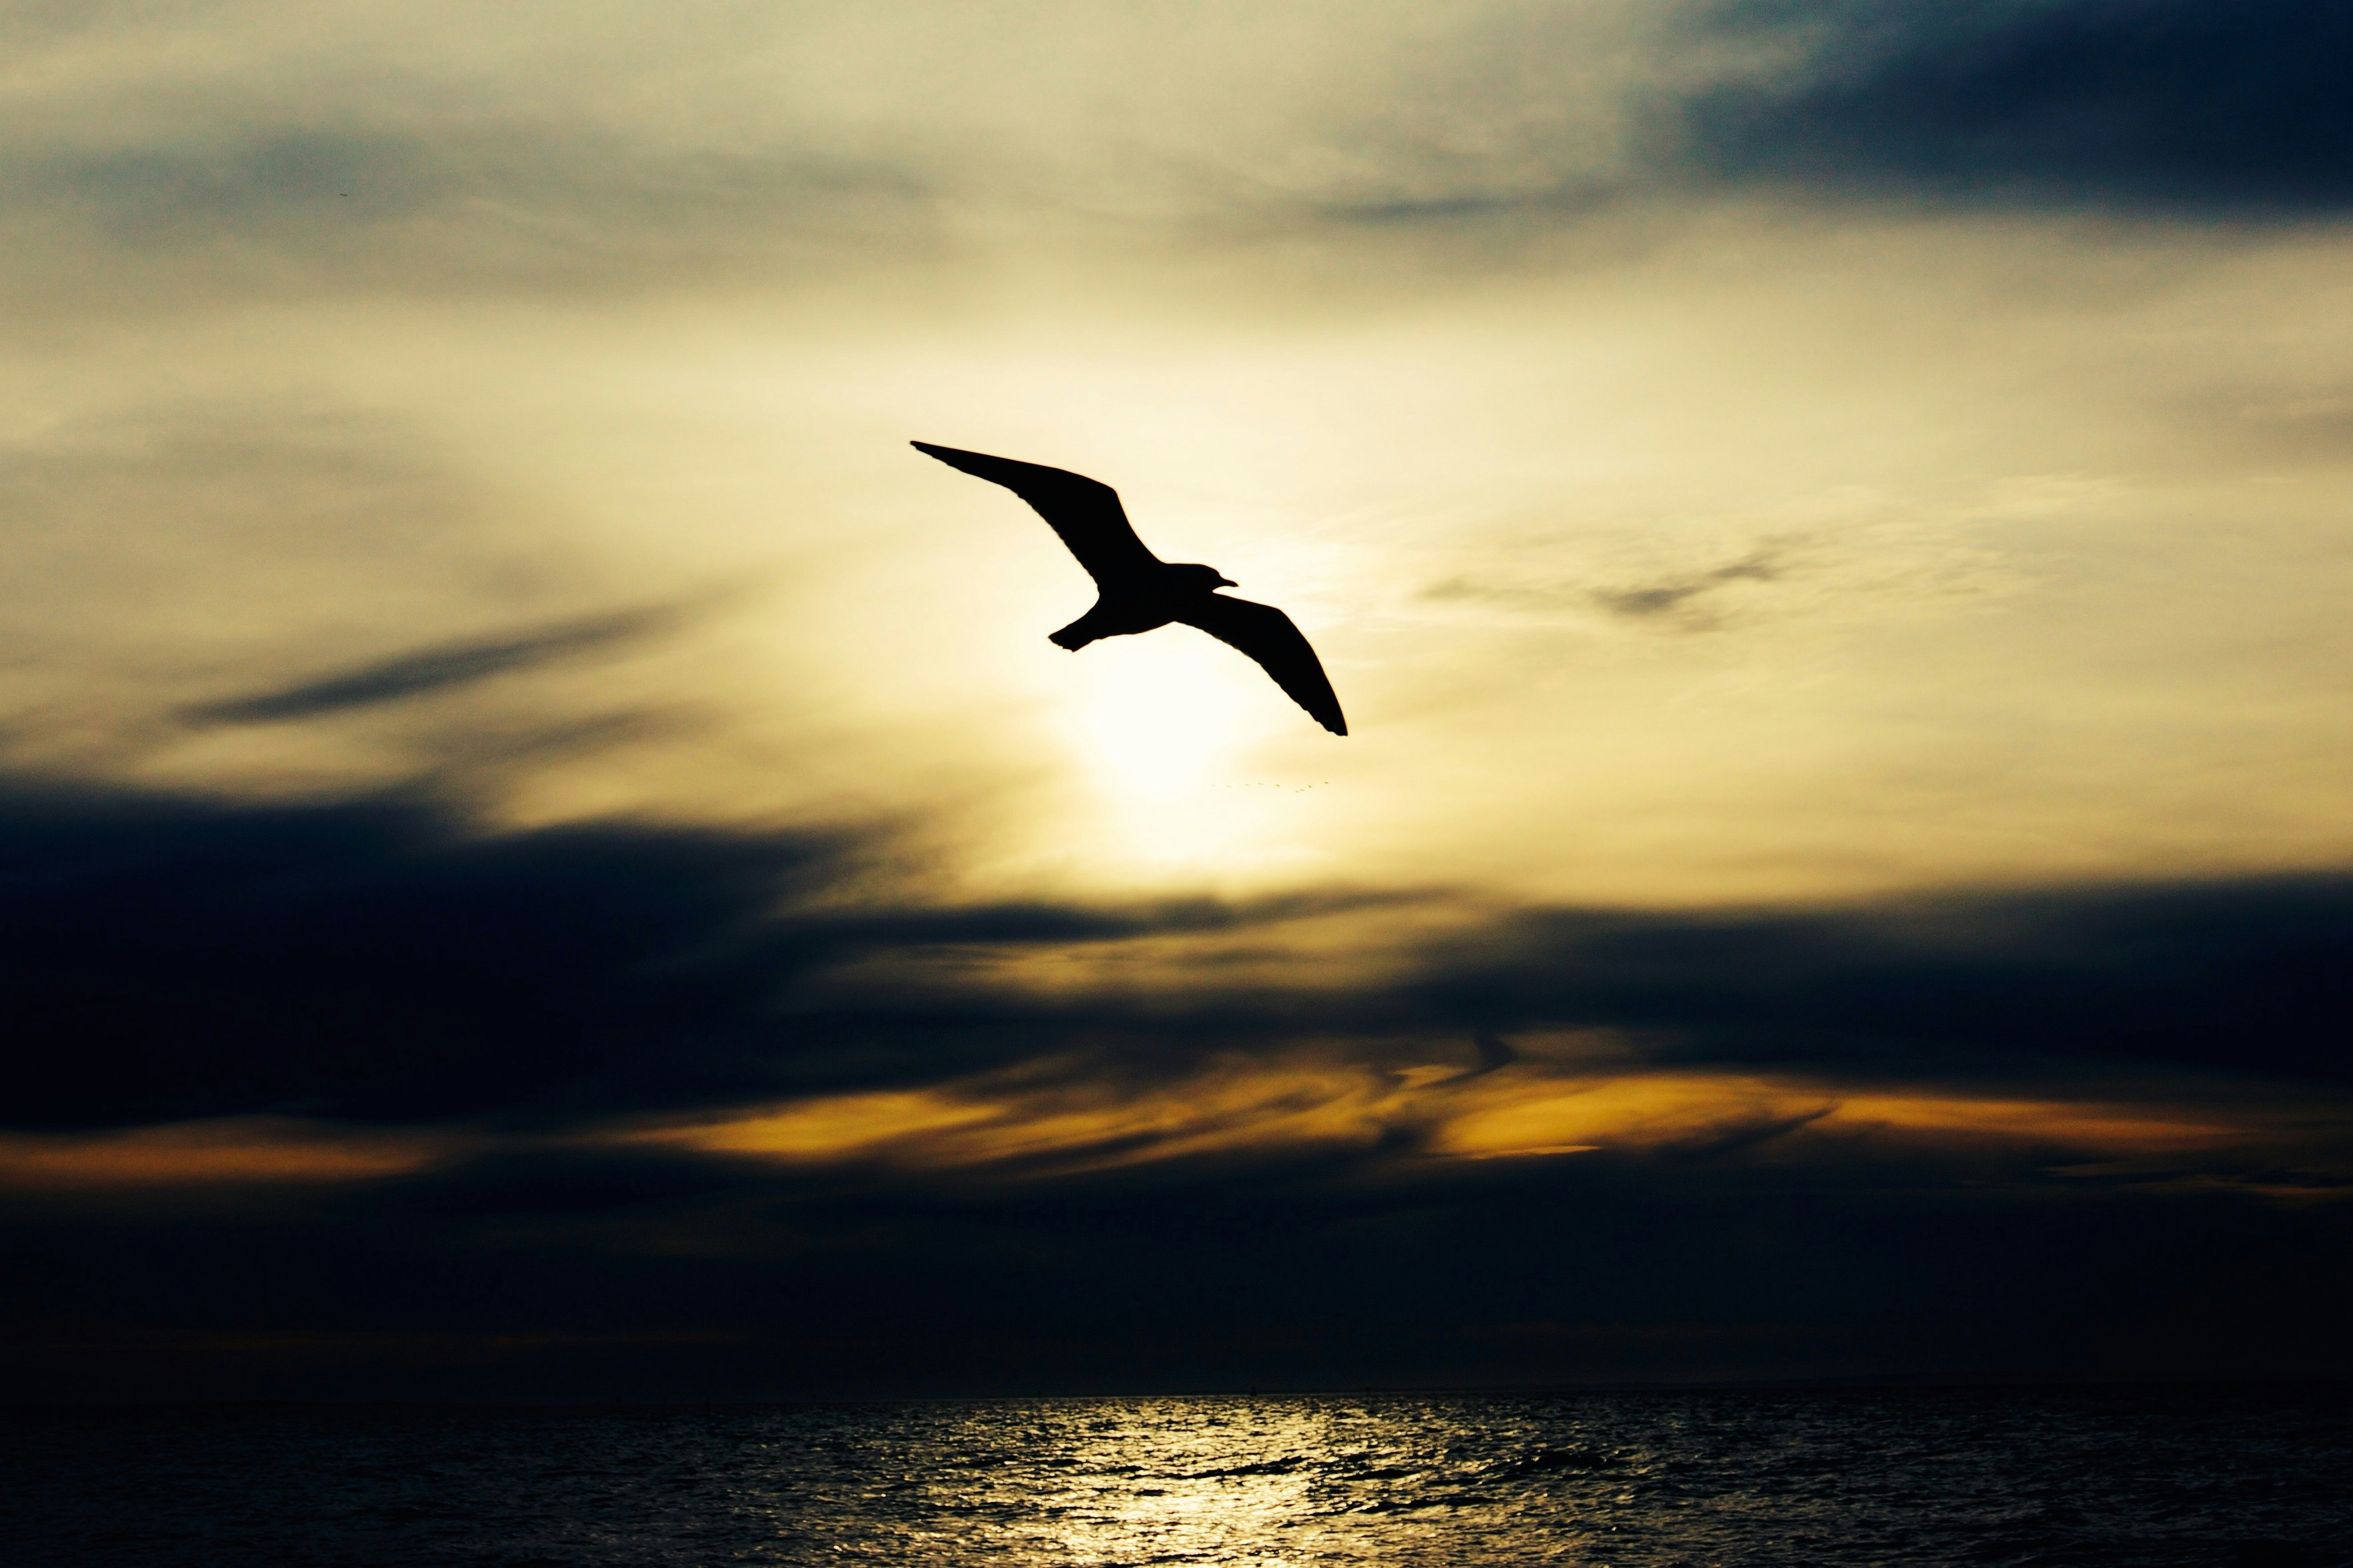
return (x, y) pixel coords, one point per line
(2189, 1476)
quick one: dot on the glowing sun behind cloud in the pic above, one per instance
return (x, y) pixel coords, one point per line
(1165, 731)
(1149, 727)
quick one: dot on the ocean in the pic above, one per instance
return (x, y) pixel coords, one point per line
(2245, 1476)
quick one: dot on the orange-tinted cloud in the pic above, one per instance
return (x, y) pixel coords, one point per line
(1307, 1101)
(227, 1150)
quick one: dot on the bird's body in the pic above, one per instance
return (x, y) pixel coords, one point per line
(1138, 592)
(1145, 607)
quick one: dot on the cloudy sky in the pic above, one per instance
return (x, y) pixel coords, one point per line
(544, 850)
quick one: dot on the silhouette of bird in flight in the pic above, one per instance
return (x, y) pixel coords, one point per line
(1138, 592)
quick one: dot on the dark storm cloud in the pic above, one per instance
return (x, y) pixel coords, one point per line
(2169, 106)
(2249, 976)
(2252, 975)
(563, 1279)
(432, 670)
(167, 959)
(170, 960)
(2180, 103)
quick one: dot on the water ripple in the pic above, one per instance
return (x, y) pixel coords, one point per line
(1642, 1480)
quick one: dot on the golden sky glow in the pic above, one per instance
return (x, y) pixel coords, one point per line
(1846, 659)
(1703, 549)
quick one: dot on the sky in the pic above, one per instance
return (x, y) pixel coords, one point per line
(545, 852)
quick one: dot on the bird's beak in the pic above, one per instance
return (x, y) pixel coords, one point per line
(1228, 583)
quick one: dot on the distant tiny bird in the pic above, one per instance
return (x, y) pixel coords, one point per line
(1138, 592)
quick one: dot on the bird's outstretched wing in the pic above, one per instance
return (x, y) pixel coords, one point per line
(1084, 511)
(1267, 635)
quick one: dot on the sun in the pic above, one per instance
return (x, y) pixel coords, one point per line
(1159, 723)
(1169, 740)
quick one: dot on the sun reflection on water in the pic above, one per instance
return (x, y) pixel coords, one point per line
(1230, 1484)
(1233, 1482)
(1638, 1479)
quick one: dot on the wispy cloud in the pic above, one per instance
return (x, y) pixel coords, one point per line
(148, 182)
(434, 670)
(1676, 593)
(1681, 599)
(404, 210)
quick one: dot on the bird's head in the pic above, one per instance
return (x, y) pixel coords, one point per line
(1205, 579)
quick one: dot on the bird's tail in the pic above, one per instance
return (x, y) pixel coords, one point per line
(1084, 630)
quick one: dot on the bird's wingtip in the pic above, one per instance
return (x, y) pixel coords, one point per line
(954, 456)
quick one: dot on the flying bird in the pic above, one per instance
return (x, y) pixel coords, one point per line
(1138, 592)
